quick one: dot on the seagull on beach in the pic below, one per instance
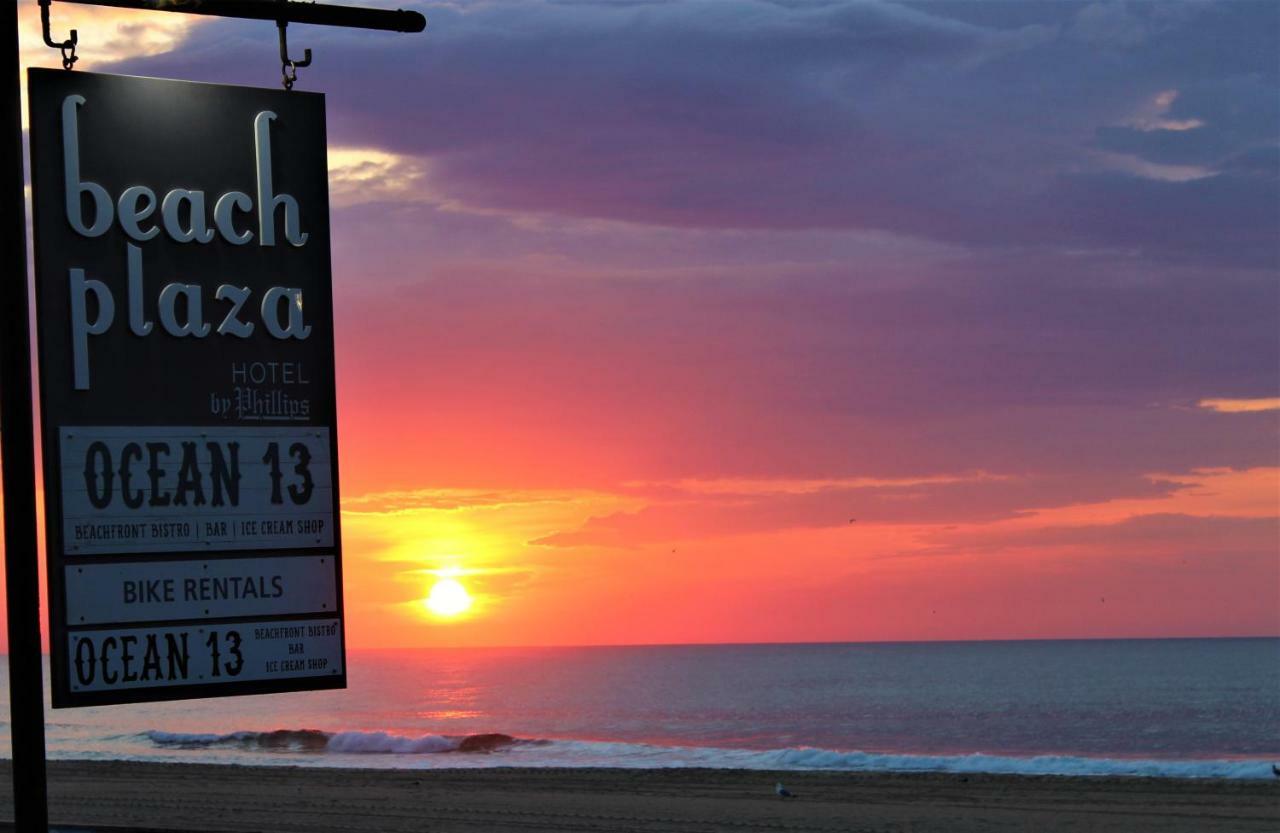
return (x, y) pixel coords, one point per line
(1275, 770)
(782, 791)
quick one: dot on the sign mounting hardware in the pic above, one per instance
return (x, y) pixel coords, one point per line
(67, 47)
(288, 66)
(283, 12)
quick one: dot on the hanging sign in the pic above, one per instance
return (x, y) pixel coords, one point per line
(185, 330)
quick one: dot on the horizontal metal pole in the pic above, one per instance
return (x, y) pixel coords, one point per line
(318, 13)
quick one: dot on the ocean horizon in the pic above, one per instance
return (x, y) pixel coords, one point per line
(1178, 707)
(814, 642)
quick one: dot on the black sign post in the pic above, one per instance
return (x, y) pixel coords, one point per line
(26, 686)
(186, 360)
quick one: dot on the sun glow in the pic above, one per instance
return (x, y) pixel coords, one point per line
(448, 598)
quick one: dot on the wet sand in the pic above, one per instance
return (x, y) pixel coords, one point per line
(189, 797)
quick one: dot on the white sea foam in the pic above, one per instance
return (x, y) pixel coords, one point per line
(374, 743)
(390, 750)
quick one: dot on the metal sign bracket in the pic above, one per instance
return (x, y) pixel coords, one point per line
(67, 47)
(283, 12)
(288, 66)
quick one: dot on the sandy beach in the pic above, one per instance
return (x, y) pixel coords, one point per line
(183, 797)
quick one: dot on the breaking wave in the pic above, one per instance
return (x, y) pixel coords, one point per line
(495, 749)
(352, 743)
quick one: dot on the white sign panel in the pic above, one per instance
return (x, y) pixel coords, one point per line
(120, 659)
(134, 489)
(151, 591)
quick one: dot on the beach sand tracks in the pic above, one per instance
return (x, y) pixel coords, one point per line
(233, 799)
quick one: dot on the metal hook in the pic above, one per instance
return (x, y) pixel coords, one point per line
(67, 47)
(288, 66)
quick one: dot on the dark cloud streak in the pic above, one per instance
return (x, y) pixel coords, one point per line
(839, 115)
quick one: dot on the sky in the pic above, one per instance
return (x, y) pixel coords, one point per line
(745, 321)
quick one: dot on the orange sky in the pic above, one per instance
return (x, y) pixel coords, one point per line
(695, 426)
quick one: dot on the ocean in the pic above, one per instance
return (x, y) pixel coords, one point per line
(1179, 708)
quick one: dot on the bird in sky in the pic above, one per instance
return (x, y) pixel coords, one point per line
(782, 791)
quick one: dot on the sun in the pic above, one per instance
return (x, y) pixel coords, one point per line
(448, 598)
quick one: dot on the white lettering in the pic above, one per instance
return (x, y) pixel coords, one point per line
(268, 202)
(195, 324)
(232, 325)
(223, 219)
(71, 170)
(131, 215)
(271, 313)
(138, 322)
(172, 208)
(81, 327)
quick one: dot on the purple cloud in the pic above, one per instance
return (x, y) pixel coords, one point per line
(933, 120)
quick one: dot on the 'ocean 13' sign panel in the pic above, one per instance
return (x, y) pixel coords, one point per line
(185, 328)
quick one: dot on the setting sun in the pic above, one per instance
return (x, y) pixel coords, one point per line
(448, 598)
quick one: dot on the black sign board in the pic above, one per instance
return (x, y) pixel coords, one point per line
(185, 330)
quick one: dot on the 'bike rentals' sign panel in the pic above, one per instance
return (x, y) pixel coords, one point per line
(185, 320)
